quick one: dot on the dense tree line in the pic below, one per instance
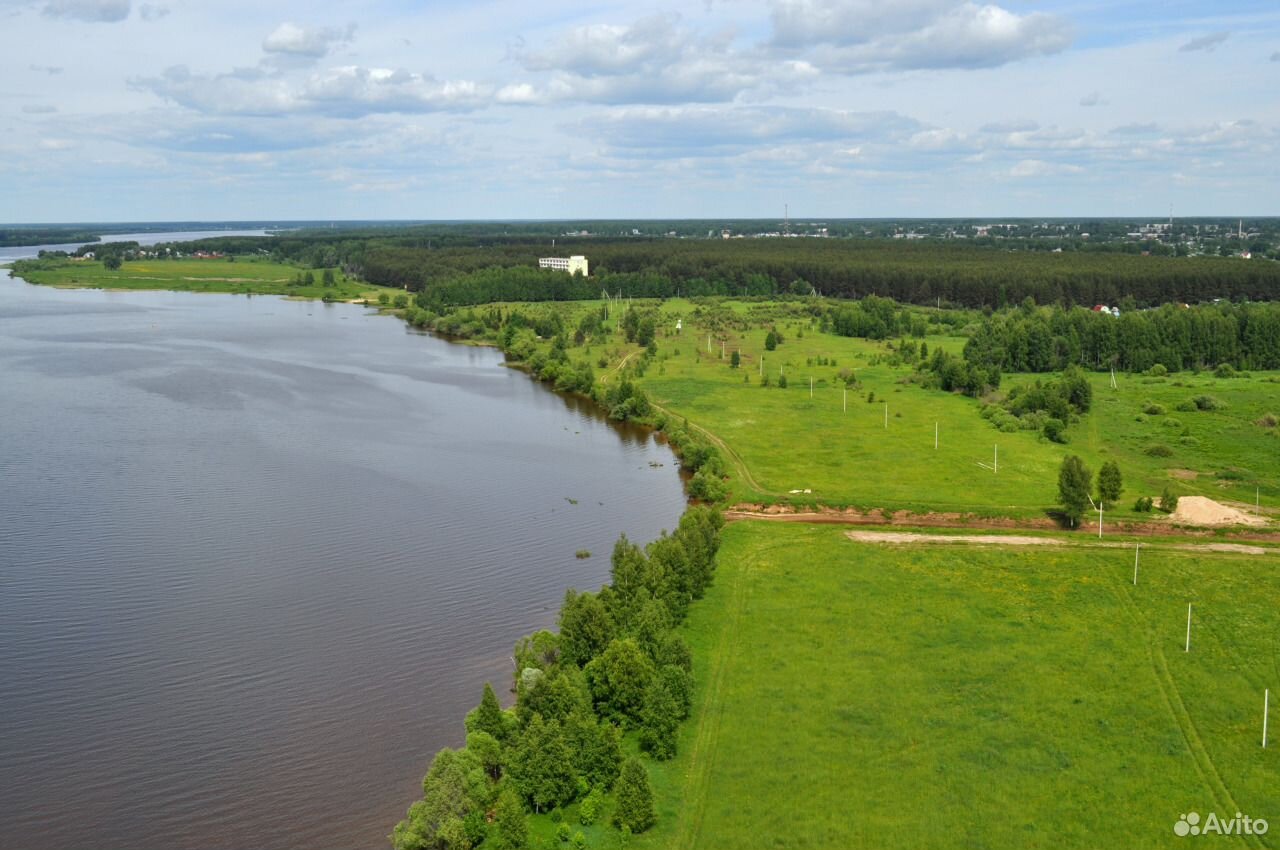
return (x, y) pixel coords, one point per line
(457, 268)
(617, 665)
(1172, 337)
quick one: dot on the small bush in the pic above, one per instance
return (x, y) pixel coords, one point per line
(1270, 420)
(1157, 371)
(1231, 474)
(707, 487)
(1159, 450)
(563, 832)
(782, 382)
(1143, 505)
(1153, 409)
(589, 811)
(1224, 370)
(582, 554)
(1207, 402)
(1055, 430)
(1187, 406)
(1168, 500)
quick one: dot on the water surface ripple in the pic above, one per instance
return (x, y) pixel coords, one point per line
(257, 558)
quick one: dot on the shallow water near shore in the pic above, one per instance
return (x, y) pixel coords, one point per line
(258, 557)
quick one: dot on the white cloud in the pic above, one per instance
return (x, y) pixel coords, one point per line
(39, 109)
(654, 60)
(1208, 42)
(858, 36)
(51, 70)
(310, 42)
(702, 131)
(352, 91)
(349, 91)
(936, 140)
(100, 11)
(1093, 98)
(606, 50)
(1039, 168)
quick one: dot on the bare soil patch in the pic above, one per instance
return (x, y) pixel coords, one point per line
(1201, 510)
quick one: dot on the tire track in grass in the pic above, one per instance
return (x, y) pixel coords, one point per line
(702, 756)
(739, 465)
(1191, 734)
(1172, 696)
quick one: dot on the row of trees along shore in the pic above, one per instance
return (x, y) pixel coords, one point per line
(460, 270)
(616, 667)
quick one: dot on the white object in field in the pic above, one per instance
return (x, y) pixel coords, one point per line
(810, 386)
(1188, 647)
(1136, 546)
(846, 401)
(886, 416)
(935, 436)
(1266, 704)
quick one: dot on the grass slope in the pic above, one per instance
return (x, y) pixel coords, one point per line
(863, 696)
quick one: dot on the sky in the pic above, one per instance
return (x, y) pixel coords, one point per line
(115, 110)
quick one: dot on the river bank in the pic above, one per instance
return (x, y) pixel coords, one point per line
(302, 472)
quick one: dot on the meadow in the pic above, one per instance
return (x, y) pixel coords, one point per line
(840, 445)
(249, 277)
(859, 695)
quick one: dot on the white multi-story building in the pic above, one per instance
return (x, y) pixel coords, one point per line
(572, 265)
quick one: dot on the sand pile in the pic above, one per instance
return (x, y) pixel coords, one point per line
(1199, 510)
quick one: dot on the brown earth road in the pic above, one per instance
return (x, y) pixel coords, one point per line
(1018, 540)
(880, 517)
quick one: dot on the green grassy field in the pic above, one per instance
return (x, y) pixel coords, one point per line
(199, 275)
(838, 445)
(854, 695)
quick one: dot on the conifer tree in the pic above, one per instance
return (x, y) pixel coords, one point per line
(509, 822)
(659, 719)
(542, 765)
(635, 798)
(488, 716)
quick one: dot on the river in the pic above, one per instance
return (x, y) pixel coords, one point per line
(258, 557)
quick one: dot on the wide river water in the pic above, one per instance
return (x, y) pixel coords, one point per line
(258, 557)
